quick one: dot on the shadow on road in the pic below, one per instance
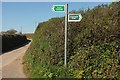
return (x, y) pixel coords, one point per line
(28, 41)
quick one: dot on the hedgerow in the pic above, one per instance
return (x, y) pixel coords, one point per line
(11, 41)
(93, 46)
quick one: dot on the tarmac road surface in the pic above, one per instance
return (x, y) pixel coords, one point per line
(12, 62)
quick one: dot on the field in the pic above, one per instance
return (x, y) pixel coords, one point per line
(30, 36)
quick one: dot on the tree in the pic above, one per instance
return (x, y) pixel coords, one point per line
(11, 31)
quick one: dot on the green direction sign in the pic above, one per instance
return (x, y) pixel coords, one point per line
(58, 8)
(74, 17)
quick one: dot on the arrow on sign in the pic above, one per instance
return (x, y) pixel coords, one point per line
(58, 8)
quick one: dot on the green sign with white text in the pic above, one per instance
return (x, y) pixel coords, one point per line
(58, 8)
(74, 17)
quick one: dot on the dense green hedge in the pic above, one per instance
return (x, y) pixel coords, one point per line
(93, 46)
(12, 41)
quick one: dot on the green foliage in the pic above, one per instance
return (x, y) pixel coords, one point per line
(93, 46)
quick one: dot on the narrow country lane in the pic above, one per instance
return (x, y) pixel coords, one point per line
(12, 63)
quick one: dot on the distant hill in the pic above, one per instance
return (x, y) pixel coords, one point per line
(93, 46)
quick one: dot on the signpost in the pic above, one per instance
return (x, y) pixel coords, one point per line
(68, 18)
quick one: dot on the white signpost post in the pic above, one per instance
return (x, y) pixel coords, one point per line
(68, 18)
(66, 15)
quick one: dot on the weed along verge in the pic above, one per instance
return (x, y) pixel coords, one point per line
(93, 46)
